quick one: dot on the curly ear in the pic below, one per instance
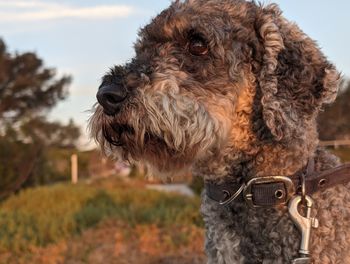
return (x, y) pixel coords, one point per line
(295, 79)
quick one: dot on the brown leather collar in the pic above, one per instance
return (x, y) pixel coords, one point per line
(271, 191)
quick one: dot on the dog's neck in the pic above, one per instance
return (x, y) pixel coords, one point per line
(266, 160)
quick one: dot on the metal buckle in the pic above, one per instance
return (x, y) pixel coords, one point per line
(288, 185)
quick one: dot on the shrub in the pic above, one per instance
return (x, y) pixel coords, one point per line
(36, 217)
(343, 153)
(40, 216)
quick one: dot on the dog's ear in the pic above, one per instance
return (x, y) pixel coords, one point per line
(295, 78)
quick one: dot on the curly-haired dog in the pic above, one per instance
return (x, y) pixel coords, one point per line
(230, 89)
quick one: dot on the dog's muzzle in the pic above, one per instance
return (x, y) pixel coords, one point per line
(111, 97)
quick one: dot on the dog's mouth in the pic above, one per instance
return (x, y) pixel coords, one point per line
(121, 135)
(114, 133)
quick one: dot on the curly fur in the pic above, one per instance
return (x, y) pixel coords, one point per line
(246, 109)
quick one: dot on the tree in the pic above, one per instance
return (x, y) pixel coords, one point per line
(334, 122)
(26, 86)
(39, 131)
(28, 90)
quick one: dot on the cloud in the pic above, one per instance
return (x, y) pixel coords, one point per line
(38, 11)
(25, 4)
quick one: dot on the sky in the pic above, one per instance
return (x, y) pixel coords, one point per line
(83, 38)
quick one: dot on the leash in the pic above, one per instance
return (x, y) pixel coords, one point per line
(277, 191)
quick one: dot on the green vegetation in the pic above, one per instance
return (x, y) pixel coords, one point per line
(37, 217)
(197, 185)
(343, 153)
(334, 121)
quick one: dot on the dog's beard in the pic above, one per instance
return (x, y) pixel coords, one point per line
(162, 128)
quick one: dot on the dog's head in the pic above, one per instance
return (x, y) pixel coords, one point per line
(210, 76)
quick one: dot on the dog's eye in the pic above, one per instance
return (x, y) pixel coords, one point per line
(198, 46)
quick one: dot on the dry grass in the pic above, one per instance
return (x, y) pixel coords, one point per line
(114, 242)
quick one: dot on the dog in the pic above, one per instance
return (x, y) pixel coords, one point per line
(231, 90)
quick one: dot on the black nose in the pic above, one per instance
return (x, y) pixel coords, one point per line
(111, 97)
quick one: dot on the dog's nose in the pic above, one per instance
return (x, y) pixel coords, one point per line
(111, 97)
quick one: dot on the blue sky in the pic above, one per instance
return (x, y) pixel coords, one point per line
(85, 37)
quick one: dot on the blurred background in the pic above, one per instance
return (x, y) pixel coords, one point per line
(60, 200)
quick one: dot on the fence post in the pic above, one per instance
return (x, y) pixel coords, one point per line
(74, 168)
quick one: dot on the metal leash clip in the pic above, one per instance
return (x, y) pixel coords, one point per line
(304, 224)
